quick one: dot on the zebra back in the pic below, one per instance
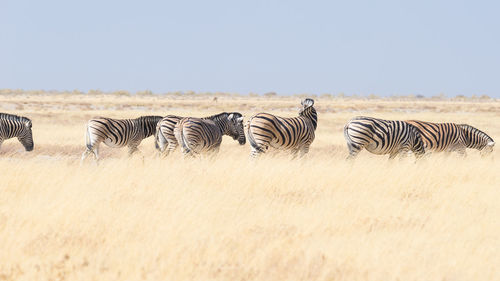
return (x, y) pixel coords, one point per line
(439, 136)
(147, 125)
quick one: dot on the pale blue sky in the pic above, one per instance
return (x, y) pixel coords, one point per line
(354, 47)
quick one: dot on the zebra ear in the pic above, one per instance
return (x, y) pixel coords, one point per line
(307, 102)
(230, 117)
(240, 119)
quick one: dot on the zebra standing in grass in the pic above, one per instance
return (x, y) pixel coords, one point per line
(197, 135)
(450, 137)
(382, 137)
(118, 133)
(296, 134)
(165, 141)
(16, 126)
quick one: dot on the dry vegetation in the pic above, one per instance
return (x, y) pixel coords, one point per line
(319, 218)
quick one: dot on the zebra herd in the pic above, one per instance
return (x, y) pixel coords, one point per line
(264, 130)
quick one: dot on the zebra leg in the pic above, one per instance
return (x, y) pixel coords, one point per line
(304, 150)
(295, 152)
(461, 152)
(132, 149)
(353, 151)
(393, 155)
(256, 151)
(172, 146)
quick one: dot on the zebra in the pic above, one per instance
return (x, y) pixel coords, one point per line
(165, 141)
(118, 133)
(201, 135)
(295, 134)
(380, 136)
(450, 137)
(16, 126)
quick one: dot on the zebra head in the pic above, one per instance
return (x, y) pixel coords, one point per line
(416, 142)
(488, 148)
(474, 138)
(236, 127)
(308, 111)
(25, 135)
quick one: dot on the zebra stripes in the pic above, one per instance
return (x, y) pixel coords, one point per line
(452, 137)
(296, 134)
(12, 126)
(165, 141)
(197, 135)
(382, 137)
(118, 133)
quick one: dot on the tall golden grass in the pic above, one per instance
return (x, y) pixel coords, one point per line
(229, 218)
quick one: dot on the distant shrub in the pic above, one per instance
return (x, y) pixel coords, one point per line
(121, 93)
(270, 94)
(144, 93)
(95, 92)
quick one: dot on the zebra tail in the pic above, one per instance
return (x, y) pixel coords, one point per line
(184, 142)
(350, 142)
(87, 139)
(251, 139)
(157, 139)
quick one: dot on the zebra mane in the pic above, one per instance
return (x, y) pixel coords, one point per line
(12, 117)
(471, 129)
(223, 114)
(148, 118)
(6, 116)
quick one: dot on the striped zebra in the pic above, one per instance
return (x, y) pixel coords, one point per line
(382, 137)
(295, 134)
(12, 126)
(201, 135)
(118, 133)
(450, 137)
(165, 141)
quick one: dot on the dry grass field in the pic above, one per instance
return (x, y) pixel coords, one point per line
(228, 218)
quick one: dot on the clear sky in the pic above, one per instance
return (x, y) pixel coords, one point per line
(289, 47)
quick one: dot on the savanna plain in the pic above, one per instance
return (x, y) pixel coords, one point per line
(230, 218)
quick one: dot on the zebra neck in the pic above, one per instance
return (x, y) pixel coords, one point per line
(310, 113)
(222, 125)
(475, 138)
(220, 121)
